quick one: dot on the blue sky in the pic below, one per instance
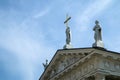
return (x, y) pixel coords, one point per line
(32, 30)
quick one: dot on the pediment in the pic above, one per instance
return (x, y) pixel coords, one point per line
(66, 60)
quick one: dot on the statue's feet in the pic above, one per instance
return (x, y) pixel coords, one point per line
(68, 46)
(98, 44)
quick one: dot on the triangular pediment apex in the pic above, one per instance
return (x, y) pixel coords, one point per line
(67, 59)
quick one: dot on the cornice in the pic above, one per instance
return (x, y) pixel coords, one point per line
(88, 52)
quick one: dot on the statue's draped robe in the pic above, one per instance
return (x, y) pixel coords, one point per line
(97, 35)
(68, 38)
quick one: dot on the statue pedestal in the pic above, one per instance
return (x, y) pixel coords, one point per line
(98, 44)
(67, 46)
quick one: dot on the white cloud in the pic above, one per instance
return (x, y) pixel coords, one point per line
(91, 11)
(32, 52)
(41, 13)
(29, 51)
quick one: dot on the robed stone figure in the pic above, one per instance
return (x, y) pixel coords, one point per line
(97, 35)
(68, 34)
(97, 29)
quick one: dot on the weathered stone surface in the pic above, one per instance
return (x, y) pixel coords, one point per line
(83, 64)
(98, 35)
(68, 46)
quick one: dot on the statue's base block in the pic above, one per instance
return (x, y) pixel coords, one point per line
(98, 44)
(68, 46)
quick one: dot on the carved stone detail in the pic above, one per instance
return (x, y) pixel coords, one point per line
(68, 63)
(91, 66)
(117, 67)
(106, 64)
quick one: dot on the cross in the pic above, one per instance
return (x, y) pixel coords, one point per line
(67, 19)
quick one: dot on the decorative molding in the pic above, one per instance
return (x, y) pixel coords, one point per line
(67, 61)
(106, 64)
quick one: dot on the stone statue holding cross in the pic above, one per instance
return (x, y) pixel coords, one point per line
(68, 34)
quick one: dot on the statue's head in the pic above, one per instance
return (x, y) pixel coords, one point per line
(96, 22)
(46, 60)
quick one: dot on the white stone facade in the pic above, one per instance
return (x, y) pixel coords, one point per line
(83, 64)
